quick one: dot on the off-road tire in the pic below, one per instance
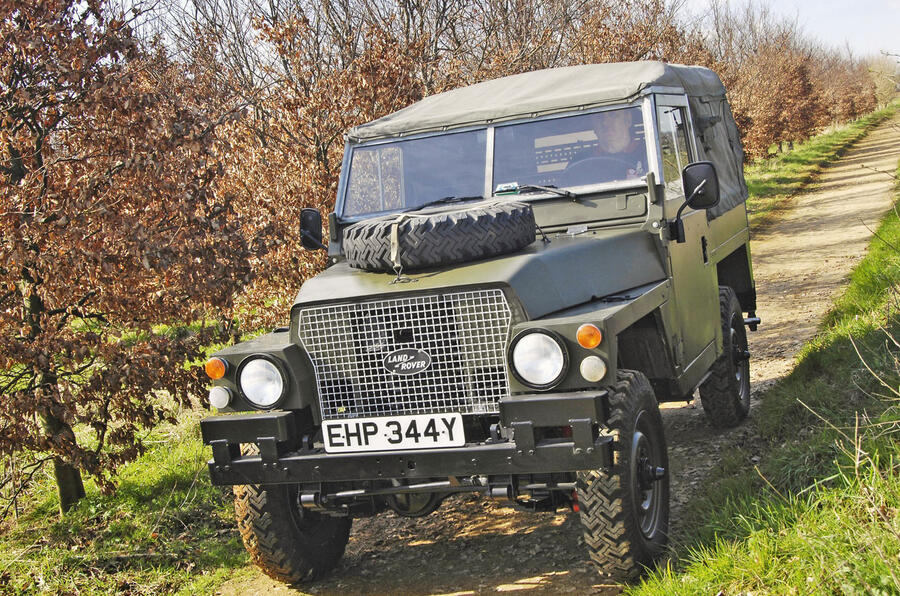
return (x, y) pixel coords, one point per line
(725, 395)
(441, 236)
(287, 543)
(610, 501)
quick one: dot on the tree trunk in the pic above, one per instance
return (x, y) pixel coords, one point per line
(69, 485)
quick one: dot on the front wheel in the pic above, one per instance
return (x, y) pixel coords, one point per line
(725, 395)
(625, 511)
(288, 543)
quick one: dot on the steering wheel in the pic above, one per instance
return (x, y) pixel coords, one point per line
(599, 168)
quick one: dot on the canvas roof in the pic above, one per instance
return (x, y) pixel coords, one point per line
(539, 92)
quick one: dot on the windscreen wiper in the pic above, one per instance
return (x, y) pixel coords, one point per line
(516, 188)
(442, 200)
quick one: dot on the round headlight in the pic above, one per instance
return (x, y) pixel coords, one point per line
(261, 382)
(539, 359)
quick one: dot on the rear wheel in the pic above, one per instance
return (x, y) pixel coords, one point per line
(289, 543)
(725, 395)
(625, 511)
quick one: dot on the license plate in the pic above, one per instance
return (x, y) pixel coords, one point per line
(419, 431)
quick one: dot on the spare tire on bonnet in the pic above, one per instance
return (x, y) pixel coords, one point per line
(439, 236)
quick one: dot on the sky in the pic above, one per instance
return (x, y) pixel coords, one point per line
(868, 26)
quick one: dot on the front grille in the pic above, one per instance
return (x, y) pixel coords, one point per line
(464, 334)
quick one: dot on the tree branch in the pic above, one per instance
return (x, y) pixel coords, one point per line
(67, 312)
(77, 371)
(18, 377)
(24, 483)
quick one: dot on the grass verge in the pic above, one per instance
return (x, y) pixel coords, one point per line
(772, 182)
(819, 513)
(165, 529)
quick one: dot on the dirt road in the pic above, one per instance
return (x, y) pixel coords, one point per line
(473, 546)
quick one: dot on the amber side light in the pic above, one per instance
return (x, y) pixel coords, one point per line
(589, 336)
(215, 368)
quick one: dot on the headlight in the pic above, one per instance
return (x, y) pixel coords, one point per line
(261, 382)
(539, 359)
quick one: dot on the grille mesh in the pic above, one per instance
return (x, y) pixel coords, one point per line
(464, 334)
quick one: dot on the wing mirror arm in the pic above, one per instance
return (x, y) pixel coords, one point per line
(701, 178)
(310, 241)
(676, 226)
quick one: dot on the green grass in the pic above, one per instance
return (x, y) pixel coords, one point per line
(772, 182)
(164, 530)
(820, 513)
(842, 540)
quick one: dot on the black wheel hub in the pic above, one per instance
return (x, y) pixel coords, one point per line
(740, 358)
(646, 473)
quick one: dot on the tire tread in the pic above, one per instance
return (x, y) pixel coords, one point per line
(719, 395)
(441, 238)
(609, 532)
(273, 542)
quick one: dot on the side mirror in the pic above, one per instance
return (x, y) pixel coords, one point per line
(311, 229)
(701, 185)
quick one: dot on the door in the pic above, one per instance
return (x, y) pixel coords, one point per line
(694, 279)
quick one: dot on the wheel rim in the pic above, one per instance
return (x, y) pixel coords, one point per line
(740, 360)
(646, 474)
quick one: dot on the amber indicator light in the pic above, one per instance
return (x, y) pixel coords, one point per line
(215, 368)
(588, 336)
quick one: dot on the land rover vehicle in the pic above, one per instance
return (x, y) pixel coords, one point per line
(512, 289)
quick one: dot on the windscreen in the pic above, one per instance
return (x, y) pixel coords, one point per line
(405, 174)
(572, 151)
(569, 151)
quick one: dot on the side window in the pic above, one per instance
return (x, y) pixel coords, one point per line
(674, 146)
(376, 180)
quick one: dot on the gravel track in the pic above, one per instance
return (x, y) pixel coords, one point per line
(474, 546)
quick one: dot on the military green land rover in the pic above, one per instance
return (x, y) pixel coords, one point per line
(520, 271)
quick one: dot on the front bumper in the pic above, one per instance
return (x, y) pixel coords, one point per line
(285, 456)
